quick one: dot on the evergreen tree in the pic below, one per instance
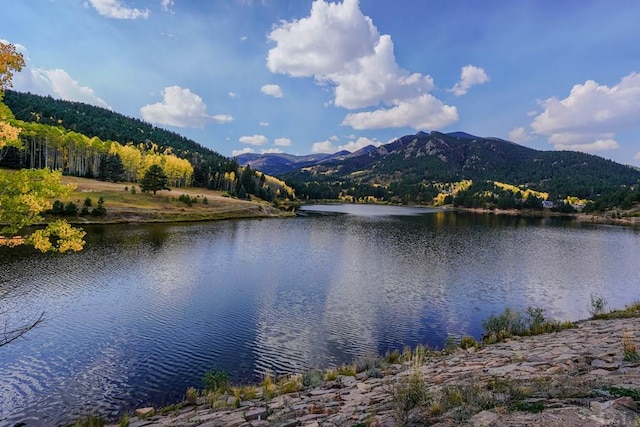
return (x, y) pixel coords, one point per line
(111, 168)
(154, 179)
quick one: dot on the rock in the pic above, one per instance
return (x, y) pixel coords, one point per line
(256, 414)
(483, 419)
(600, 372)
(625, 403)
(601, 364)
(345, 381)
(145, 412)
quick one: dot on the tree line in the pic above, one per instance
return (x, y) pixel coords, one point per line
(87, 141)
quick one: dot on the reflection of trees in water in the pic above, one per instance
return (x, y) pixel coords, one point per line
(157, 235)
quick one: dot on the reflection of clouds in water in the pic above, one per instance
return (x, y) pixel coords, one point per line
(286, 295)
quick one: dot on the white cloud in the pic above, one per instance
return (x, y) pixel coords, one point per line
(425, 112)
(233, 95)
(599, 145)
(254, 140)
(283, 142)
(182, 108)
(246, 150)
(339, 46)
(520, 135)
(324, 147)
(377, 78)
(469, 76)
(331, 37)
(115, 9)
(588, 118)
(65, 87)
(334, 138)
(271, 151)
(167, 5)
(265, 124)
(352, 146)
(272, 90)
(637, 156)
(222, 118)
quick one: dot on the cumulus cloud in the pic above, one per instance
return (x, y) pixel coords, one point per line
(272, 90)
(352, 146)
(233, 95)
(282, 142)
(520, 135)
(254, 140)
(182, 108)
(115, 9)
(340, 47)
(271, 151)
(65, 87)
(469, 76)
(424, 112)
(588, 118)
(637, 156)
(245, 150)
(265, 124)
(222, 118)
(54, 82)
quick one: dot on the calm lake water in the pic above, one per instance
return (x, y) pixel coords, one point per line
(145, 310)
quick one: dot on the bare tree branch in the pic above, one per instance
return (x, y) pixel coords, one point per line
(11, 334)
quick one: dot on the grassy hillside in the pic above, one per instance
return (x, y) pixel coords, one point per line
(165, 206)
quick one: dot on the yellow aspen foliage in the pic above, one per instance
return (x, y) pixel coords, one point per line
(10, 61)
(58, 236)
(24, 196)
(9, 135)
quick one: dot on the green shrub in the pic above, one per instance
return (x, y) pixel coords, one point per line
(598, 305)
(509, 323)
(124, 421)
(57, 208)
(467, 342)
(346, 370)
(312, 379)
(90, 421)
(409, 393)
(192, 395)
(216, 380)
(367, 362)
(374, 373)
(186, 199)
(70, 209)
(331, 375)
(392, 357)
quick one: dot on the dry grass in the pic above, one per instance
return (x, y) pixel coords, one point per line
(123, 206)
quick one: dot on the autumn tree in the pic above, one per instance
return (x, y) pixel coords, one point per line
(10, 61)
(154, 179)
(25, 195)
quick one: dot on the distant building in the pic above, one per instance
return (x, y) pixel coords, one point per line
(548, 204)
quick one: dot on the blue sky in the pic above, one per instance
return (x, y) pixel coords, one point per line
(303, 76)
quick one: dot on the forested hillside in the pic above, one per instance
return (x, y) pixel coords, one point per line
(84, 140)
(418, 168)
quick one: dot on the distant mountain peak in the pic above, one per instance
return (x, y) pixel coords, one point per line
(463, 135)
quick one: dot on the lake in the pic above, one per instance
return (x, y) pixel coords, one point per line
(145, 310)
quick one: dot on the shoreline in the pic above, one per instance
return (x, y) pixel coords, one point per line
(569, 378)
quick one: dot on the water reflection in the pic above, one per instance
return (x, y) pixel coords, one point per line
(144, 311)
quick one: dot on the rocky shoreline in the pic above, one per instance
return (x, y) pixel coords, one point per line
(576, 377)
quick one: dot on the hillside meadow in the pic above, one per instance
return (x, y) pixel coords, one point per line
(124, 205)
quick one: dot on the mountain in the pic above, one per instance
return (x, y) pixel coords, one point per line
(408, 165)
(281, 163)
